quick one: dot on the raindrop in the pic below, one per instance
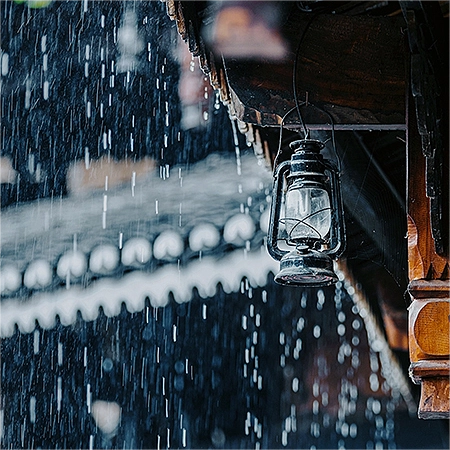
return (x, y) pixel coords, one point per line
(320, 299)
(60, 354)
(316, 331)
(5, 64)
(46, 90)
(376, 407)
(33, 409)
(59, 394)
(36, 341)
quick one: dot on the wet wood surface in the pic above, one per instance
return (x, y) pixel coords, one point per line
(435, 398)
(435, 315)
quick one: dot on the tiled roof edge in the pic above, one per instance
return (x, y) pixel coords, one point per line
(134, 288)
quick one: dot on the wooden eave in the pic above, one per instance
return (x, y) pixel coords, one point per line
(361, 61)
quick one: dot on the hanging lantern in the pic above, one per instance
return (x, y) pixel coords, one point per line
(313, 217)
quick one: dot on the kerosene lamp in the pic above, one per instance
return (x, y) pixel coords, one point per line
(308, 187)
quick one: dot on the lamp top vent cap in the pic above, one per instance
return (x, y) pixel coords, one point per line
(306, 145)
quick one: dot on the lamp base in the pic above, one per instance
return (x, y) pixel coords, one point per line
(308, 268)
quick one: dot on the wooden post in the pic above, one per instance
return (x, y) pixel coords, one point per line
(429, 346)
(429, 312)
(428, 199)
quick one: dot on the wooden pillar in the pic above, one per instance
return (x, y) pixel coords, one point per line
(429, 312)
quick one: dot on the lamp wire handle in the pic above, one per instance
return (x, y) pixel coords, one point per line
(280, 140)
(339, 239)
(272, 235)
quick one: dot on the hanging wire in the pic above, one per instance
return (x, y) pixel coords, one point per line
(280, 140)
(294, 75)
(298, 105)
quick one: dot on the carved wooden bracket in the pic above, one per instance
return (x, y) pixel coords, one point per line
(428, 42)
